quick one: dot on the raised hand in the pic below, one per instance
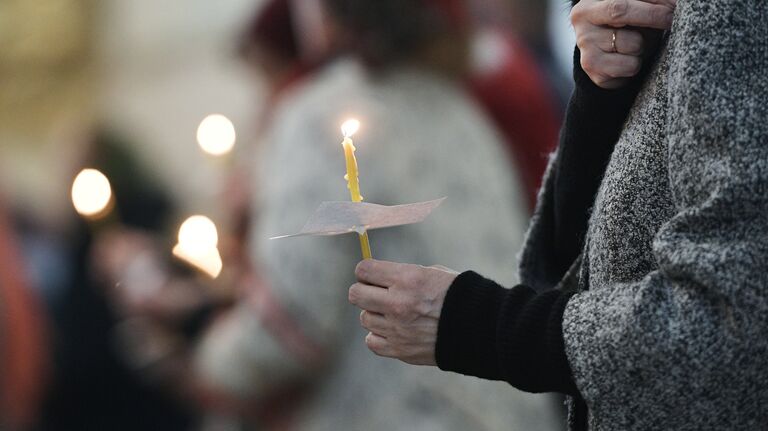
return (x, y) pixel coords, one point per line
(613, 36)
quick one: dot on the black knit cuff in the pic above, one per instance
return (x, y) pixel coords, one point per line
(530, 341)
(466, 334)
(505, 334)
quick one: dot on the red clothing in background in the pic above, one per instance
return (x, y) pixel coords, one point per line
(512, 88)
(22, 342)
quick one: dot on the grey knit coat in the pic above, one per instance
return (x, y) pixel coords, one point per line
(670, 329)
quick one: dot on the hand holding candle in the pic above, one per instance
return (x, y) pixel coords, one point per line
(353, 183)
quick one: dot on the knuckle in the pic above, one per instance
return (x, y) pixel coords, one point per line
(376, 345)
(361, 270)
(372, 342)
(364, 318)
(354, 294)
(588, 62)
(577, 14)
(617, 8)
(581, 40)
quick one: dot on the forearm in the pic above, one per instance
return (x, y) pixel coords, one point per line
(593, 122)
(513, 335)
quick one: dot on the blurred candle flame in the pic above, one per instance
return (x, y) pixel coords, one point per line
(350, 127)
(197, 245)
(198, 231)
(216, 135)
(91, 194)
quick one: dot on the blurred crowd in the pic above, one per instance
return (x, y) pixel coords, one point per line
(119, 320)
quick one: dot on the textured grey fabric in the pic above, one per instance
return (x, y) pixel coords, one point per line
(671, 329)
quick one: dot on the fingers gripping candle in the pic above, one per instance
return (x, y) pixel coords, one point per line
(353, 183)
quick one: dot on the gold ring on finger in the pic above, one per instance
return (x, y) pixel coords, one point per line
(613, 42)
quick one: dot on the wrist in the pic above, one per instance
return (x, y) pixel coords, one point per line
(514, 335)
(466, 334)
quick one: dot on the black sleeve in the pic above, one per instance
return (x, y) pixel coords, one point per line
(513, 335)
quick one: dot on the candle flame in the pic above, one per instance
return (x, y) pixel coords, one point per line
(350, 127)
(197, 245)
(91, 193)
(216, 135)
(198, 231)
(209, 261)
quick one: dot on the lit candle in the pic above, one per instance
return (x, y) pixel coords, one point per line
(353, 183)
(92, 194)
(216, 135)
(198, 245)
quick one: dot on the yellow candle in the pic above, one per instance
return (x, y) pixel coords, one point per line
(353, 182)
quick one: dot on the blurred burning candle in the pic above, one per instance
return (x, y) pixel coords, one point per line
(216, 135)
(349, 128)
(197, 245)
(91, 194)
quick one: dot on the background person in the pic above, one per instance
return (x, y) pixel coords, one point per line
(510, 86)
(23, 338)
(291, 330)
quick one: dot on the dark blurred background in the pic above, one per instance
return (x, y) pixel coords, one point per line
(153, 94)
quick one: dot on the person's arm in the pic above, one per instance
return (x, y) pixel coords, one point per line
(464, 323)
(514, 335)
(593, 122)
